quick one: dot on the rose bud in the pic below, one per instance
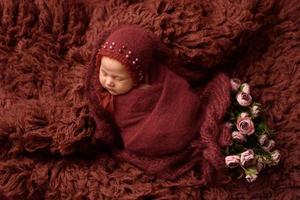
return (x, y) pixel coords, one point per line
(263, 139)
(236, 135)
(255, 110)
(245, 88)
(244, 114)
(275, 157)
(244, 99)
(251, 177)
(247, 157)
(232, 161)
(235, 84)
(245, 125)
(270, 145)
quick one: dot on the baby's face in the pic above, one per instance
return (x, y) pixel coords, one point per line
(114, 76)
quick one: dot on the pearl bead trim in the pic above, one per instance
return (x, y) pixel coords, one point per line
(128, 55)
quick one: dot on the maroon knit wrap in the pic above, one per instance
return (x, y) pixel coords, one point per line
(167, 128)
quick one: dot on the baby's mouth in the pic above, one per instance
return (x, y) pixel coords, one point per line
(110, 90)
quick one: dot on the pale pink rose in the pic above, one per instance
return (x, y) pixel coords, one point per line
(232, 161)
(245, 88)
(275, 157)
(236, 135)
(269, 146)
(255, 110)
(263, 139)
(245, 125)
(235, 84)
(244, 99)
(251, 177)
(247, 157)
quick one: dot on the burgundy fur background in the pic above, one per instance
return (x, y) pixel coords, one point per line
(45, 130)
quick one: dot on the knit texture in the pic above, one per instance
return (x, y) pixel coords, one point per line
(46, 124)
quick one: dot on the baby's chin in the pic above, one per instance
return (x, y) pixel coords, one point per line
(113, 93)
(117, 92)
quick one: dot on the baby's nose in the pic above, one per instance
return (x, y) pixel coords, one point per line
(109, 82)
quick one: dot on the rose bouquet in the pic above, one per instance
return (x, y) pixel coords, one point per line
(252, 148)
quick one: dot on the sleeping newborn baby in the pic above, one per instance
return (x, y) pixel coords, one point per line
(157, 113)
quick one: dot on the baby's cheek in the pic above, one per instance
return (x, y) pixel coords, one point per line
(101, 80)
(123, 86)
(127, 85)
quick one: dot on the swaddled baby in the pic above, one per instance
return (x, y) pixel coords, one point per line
(157, 114)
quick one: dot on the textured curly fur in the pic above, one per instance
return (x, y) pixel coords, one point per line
(45, 130)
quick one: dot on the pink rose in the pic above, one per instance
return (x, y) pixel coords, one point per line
(245, 125)
(236, 135)
(269, 146)
(247, 157)
(244, 99)
(251, 177)
(245, 88)
(232, 161)
(263, 139)
(235, 83)
(275, 157)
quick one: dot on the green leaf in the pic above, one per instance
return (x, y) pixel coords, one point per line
(250, 170)
(262, 128)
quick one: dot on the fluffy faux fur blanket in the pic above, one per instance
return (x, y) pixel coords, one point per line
(47, 150)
